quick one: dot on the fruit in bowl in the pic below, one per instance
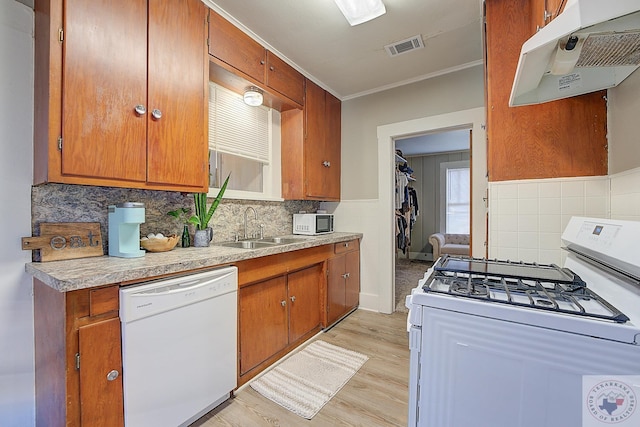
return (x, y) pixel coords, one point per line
(159, 242)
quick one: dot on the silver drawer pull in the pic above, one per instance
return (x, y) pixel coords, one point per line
(283, 303)
(140, 110)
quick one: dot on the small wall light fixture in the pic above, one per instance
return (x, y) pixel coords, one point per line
(360, 11)
(253, 96)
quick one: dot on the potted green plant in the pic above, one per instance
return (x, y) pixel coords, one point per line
(202, 216)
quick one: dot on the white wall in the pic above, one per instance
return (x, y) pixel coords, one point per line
(622, 124)
(369, 126)
(16, 152)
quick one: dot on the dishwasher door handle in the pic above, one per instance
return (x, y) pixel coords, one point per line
(168, 289)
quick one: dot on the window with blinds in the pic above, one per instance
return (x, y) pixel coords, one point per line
(236, 128)
(243, 141)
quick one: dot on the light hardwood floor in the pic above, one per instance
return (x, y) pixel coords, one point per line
(376, 396)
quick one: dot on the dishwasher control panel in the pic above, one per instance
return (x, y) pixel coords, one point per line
(150, 298)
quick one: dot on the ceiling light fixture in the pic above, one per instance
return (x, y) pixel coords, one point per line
(359, 11)
(253, 96)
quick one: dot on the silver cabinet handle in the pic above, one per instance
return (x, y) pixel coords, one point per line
(293, 298)
(271, 68)
(112, 375)
(345, 276)
(140, 110)
(326, 164)
(261, 62)
(346, 245)
(283, 303)
(157, 114)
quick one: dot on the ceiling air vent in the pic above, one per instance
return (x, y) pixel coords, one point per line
(404, 46)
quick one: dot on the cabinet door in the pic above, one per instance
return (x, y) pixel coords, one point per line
(263, 321)
(333, 137)
(100, 393)
(304, 301)
(352, 285)
(104, 78)
(284, 78)
(177, 146)
(335, 288)
(564, 138)
(229, 44)
(315, 152)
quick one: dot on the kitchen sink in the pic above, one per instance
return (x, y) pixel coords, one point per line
(267, 242)
(281, 240)
(248, 244)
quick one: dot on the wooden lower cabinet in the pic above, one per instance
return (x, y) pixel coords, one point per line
(78, 358)
(275, 316)
(343, 281)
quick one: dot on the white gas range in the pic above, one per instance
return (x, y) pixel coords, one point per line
(512, 344)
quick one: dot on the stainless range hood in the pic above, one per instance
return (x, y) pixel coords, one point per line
(591, 45)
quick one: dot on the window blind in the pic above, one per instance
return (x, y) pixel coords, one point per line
(236, 128)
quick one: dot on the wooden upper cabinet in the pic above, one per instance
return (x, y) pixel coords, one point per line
(121, 102)
(311, 147)
(177, 146)
(256, 64)
(563, 138)
(543, 12)
(229, 44)
(101, 133)
(285, 79)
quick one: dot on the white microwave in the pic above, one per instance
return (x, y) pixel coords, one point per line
(312, 223)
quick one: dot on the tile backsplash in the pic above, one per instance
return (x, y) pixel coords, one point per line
(80, 203)
(527, 218)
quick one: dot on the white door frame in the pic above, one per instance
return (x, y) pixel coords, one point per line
(387, 134)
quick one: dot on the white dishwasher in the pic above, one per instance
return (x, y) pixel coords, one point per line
(179, 345)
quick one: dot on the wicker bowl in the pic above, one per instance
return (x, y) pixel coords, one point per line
(162, 244)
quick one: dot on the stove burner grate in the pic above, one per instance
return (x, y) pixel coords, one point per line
(537, 286)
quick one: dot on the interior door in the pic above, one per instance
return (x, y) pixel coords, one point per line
(104, 79)
(101, 374)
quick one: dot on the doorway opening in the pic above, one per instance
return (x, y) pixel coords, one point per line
(435, 199)
(387, 135)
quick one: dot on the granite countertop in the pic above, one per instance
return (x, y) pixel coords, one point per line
(84, 273)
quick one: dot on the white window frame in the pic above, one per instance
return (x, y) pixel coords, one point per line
(443, 190)
(272, 176)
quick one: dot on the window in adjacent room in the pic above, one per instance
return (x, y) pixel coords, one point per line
(245, 141)
(455, 190)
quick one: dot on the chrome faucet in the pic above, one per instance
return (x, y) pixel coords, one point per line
(255, 216)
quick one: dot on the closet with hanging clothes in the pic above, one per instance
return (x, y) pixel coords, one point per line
(406, 204)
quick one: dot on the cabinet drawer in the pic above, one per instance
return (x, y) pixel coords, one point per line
(348, 246)
(103, 300)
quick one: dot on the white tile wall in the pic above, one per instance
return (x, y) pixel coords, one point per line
(625, 195)
(526, 218)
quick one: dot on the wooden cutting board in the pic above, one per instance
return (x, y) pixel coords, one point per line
(66, 240)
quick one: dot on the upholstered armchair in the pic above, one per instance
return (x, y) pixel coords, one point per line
(452, 244)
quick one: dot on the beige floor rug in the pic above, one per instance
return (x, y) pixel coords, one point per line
(307, 380)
